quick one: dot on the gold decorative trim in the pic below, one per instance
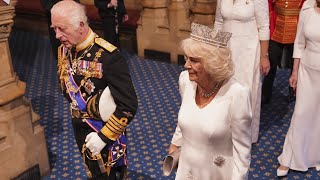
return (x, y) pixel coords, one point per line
(109, 134)
(92, 109)
(114, 127)
(287, 12)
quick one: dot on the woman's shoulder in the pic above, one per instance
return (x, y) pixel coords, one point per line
(184, 74)
(307, 5)
(184, 82)
(306, 10)
(234, 88)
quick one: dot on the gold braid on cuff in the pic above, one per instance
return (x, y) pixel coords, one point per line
(114, 127)
(92, 108)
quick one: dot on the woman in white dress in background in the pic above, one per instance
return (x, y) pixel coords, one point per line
(248, 21)
(301, 148)
(215, 112)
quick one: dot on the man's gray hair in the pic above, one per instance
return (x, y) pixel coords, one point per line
(72, 10)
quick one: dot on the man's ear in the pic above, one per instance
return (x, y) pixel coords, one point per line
(81, 27)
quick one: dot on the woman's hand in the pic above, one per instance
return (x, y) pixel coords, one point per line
(264, 65)
(293, 80)
(172, 148)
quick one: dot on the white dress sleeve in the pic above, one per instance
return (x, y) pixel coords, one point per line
(177, 136)
(183, 78)
(261, 10)
(241, 134)
(300, 41)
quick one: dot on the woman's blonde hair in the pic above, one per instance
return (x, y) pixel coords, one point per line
(216, 60)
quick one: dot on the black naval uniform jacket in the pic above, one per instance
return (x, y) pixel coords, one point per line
(116, 76)
(111, 19)
(105, 11)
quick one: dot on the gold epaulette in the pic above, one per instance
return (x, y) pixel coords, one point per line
(105, 44)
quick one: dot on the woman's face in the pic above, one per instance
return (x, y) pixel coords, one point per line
(195, 68)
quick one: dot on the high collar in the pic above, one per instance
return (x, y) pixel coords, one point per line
(89, 39)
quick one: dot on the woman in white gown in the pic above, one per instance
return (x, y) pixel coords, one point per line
(248, 21)
(215, 112)
(301, 148)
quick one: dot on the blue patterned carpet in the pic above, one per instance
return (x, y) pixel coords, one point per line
(151, 130)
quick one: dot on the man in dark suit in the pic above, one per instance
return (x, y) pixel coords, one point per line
(113, 13)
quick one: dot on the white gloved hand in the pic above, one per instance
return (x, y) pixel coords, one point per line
(94, 143)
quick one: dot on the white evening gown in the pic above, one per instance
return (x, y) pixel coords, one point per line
(301, 148)
(215, 141)
(248, 21)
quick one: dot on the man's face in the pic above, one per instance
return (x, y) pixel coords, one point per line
(68, 35)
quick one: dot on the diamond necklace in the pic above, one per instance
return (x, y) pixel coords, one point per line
(214, 90)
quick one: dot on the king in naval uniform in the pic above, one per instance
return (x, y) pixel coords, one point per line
(95, 79)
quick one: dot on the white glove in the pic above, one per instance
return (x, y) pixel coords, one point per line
(94, 143)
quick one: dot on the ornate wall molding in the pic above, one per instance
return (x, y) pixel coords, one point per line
(6, 15)
(5, 30)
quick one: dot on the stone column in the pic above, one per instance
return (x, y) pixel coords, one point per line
(133, 4)
(153, 26)
(179, 18)
(164, 23)
(203, 11)
(22, 139)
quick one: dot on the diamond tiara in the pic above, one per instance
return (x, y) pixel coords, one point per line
(210, 36)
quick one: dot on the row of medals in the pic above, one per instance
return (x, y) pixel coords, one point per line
(75, 111)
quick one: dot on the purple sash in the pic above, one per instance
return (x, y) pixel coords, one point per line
(118, 148)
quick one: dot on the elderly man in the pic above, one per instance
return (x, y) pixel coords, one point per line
(95, 79)
(47, 5)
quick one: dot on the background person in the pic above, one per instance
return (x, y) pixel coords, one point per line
(283, 27)
(113, 13)
(301, 147)
(248, 21)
